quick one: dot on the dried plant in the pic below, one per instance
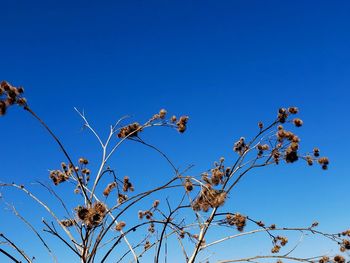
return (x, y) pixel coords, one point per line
(98, 229)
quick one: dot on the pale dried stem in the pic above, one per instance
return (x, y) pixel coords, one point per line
(22, 188)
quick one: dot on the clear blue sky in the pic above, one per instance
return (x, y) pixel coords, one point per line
(227, 64)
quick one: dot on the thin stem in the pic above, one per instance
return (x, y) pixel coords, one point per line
(62, 148)
(9, 256)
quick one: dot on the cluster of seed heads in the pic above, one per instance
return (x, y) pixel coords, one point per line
(339, 259)
(287, 143)
(156, 203)
(346, 233)
(188, 185)
(240, 146)
(68, 222)
(147, 245)
(131, 130)
(209, 198)
(10, 95)
(122, 198)
(323, 161)
(148, 214)
(217, 174)
(262, 148)
(336, 259)
(279, 242)
(182, 124)
(151, 228)
(120, 226)
(109, 188)
(288, 137)
(93, 215)
(60, 176)
(237, 220)
(161, 115)
(284, 113)
(345, 245)
(127, 185)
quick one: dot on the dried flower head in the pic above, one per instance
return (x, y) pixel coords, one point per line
(122, 198)
(324, 259)
(120, 226)
(151, 228)
(316, 152)
(127, 185)
(276, 249)
(298, 122)
(346, 233)
(147, 245)
(82, 212)
(339, 259)
(92, 216)
(83, 161)
(217, 175)
(240, 146)
(3, 108)
(323, 161)
(148, 214)
(162, 113)
(58, 176)
(209, 198)
(237, 220)
(314, 224)
(260, 125)
(282, 240)
(130, 130)
(100, 207)
(10, 95)
(68, 222)
(188, 185)
(282, 115)
(155, 203)
(309, 160)
(293, 110)
(109, 188)
(291, 155)
(182, 124)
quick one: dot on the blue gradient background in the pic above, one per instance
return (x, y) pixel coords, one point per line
(227, 64)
